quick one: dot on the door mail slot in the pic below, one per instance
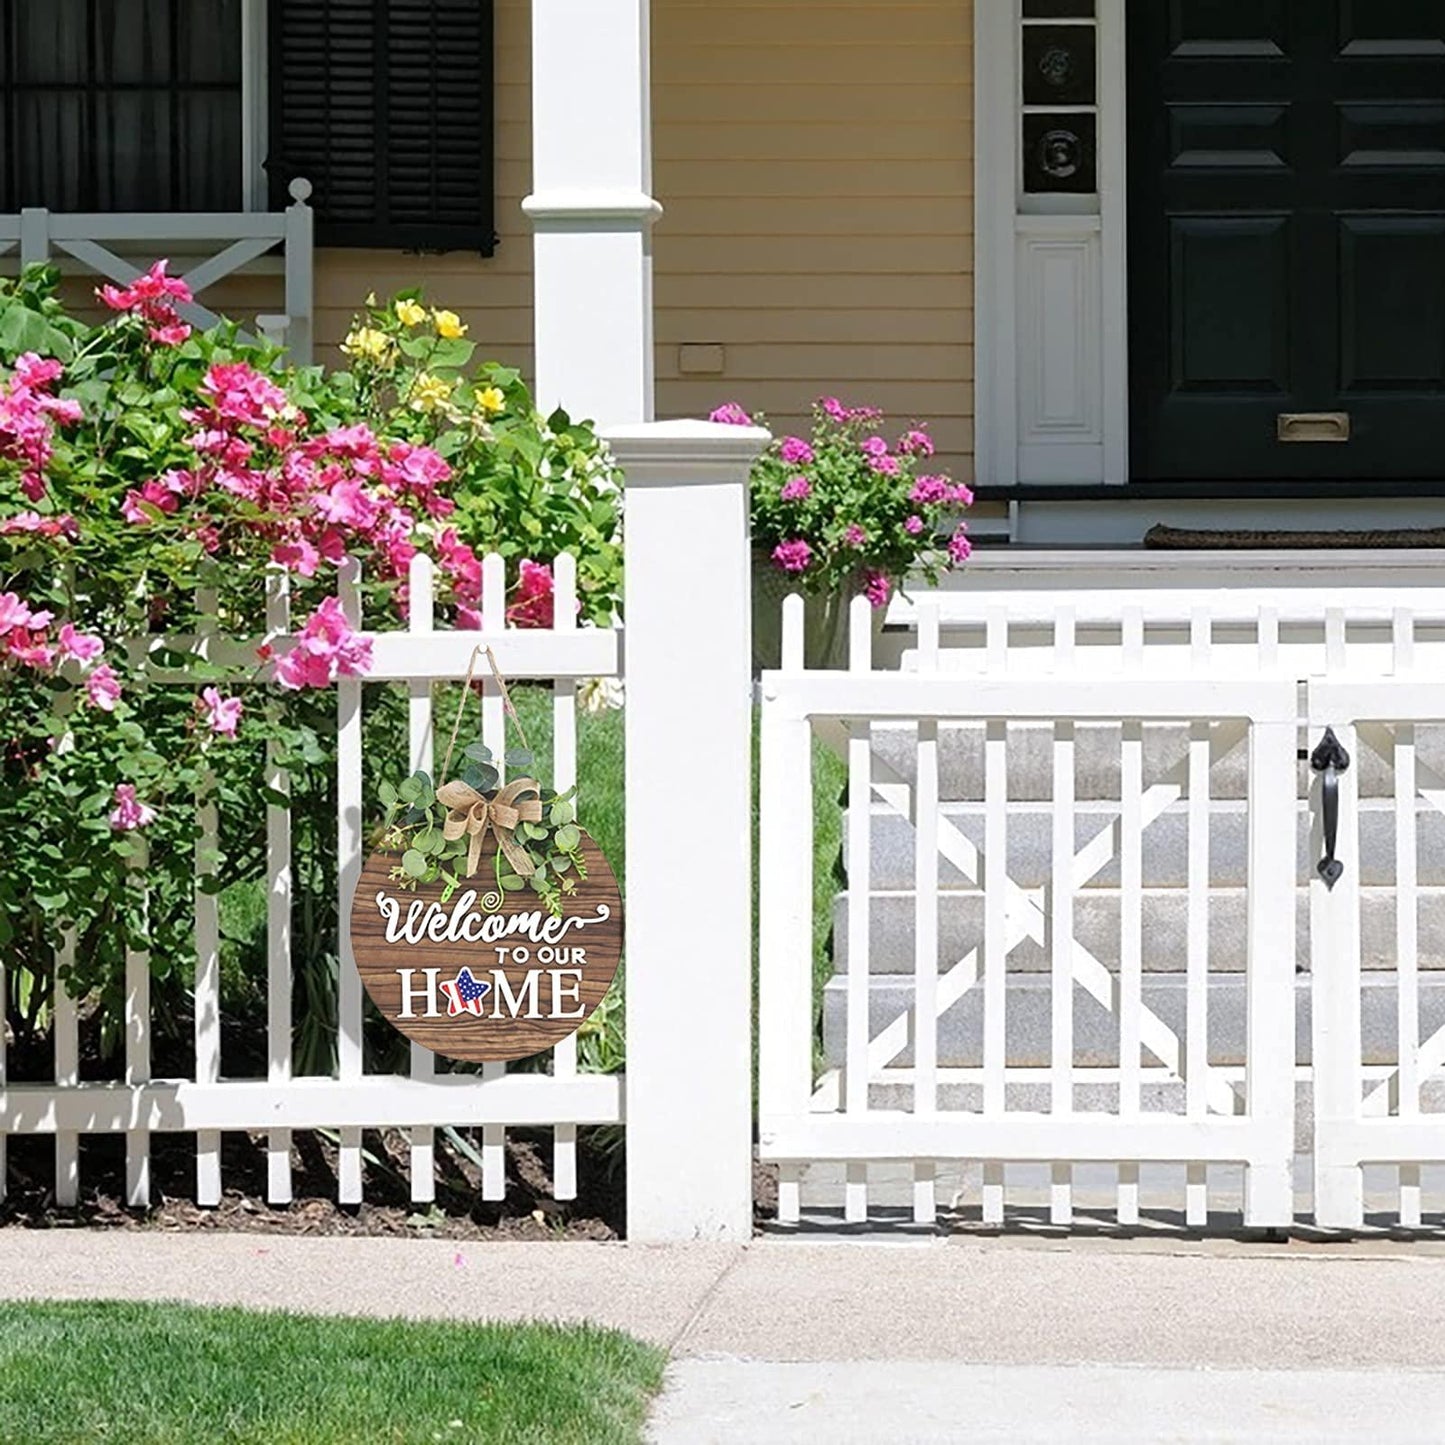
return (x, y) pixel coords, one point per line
(1314, 426)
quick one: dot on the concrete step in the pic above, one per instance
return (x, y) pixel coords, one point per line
(1165, 846)
(1096, 926)
(1097, 760)
(1028, 1020)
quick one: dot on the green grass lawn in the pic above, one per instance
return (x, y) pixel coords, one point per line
(147, 1374)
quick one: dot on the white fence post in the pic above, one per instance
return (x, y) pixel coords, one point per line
(689, 829)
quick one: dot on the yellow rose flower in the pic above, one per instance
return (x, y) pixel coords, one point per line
(448, 324)
(491, 399)
(369, 344)
(410, 313)
(429, 392)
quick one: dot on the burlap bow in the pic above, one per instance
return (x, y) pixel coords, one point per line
(473, 815)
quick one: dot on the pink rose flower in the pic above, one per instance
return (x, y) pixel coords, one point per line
(79, 646)
(325, 649)
(102, 687)
(533, 606)
(798, 489)
(222, 714)
(129, 812)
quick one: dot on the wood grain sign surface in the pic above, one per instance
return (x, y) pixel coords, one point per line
(472, 980)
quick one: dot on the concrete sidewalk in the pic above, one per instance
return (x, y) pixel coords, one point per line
(1353, 1328)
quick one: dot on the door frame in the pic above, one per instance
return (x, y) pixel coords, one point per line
(1051, 293)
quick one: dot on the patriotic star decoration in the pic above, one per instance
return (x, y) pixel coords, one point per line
(465, 995)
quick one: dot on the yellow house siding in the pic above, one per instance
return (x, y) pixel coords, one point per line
(814, 158)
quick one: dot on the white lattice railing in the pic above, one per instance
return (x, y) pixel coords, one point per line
(108, 244)
(138, 1105)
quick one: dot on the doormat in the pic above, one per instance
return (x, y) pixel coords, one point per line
(1184, 539)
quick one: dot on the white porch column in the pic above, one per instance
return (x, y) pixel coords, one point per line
(592, 208)
(689, 943)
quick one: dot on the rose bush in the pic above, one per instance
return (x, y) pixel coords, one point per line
(151, 476)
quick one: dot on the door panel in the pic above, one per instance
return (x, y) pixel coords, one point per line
(1287, 237)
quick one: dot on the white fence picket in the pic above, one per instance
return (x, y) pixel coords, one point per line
(138, 1044)
(421, 620)
(278, 919)
(207, 991)
(350, 805)
(1061, 928)
(66, 1034)
(564, 777)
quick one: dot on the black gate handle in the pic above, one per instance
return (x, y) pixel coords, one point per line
(1331, 759)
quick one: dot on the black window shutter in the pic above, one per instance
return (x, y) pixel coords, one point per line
(385, 106)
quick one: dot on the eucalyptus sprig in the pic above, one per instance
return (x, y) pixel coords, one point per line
(415, 822)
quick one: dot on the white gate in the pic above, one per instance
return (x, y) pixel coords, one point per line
(1378, 1031)
(1149, 1092)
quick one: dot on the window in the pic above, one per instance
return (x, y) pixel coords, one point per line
(121, 105)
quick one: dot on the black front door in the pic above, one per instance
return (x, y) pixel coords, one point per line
(1287, 239)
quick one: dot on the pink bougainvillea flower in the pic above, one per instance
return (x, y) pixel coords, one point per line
(102, 687)
(222, 714)
(855, 536)
(794, 557)
(960, 549)
(731, 414)
(796, 452)
(534, 604)
(797, 489)
(325, 649)
(878, 589)
(160, 493)
(297, 555)
(913, 526)
(78, 646)
(129, 812)
(916, 443)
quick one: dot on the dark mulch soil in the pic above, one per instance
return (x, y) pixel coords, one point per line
(528, 1213)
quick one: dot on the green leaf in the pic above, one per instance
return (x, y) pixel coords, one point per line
(521, 759)
(410, 791)
(569, 838)
(562, 813)
(275, 797)
(477, 752)
(388, 795)
(511, 882)
(414, 863)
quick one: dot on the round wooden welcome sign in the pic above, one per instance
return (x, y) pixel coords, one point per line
(486, 975)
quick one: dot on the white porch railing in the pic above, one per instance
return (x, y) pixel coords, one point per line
(106, 245)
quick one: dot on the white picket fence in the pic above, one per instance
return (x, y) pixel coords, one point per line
(1080, 728)
(139, 1105)
(686, 1096)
